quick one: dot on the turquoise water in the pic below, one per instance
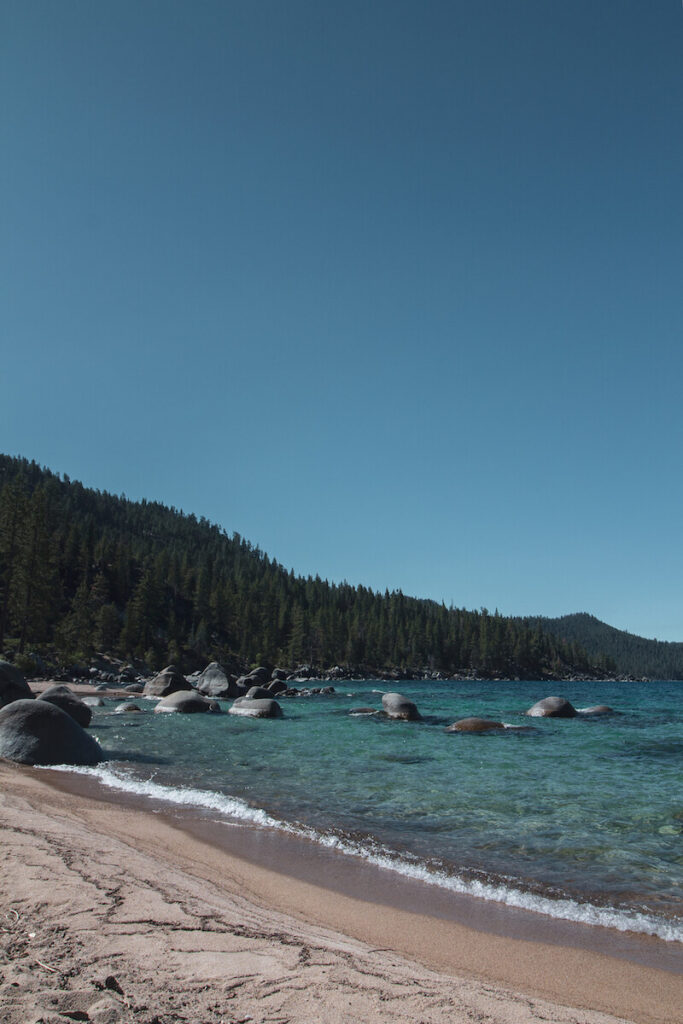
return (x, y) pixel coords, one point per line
(581, 818)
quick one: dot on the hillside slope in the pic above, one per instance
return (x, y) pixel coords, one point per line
(84, 571)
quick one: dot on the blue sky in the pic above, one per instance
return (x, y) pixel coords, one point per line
(393, 289)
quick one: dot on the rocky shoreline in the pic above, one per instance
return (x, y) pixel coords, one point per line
(106, 669)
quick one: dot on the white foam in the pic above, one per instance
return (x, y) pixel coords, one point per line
(184, 796)
(235, 808)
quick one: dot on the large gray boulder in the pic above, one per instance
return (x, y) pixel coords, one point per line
(474, 725)
(13, 686)
(37, 732)
(397, 706)
(214, 682)
(552, 707)
(258, 693)
(255, 708)
(277, 686)
(260, 675)
(186, 703)
(167, 681)
(68, 701)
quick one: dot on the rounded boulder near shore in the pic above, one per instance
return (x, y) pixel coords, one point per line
(215, 682)
(552, 707)
(255, 707)
(167, 681)
(68, 701)
(187, 703)
(13, 686)
(397, 706)
(37, 732)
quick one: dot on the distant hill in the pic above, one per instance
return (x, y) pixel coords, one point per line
(625, 652)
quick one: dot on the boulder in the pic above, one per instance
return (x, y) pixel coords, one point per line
(167, 681)
(186, 703)
(397, 706)
(474, 725)
(256, 708)
(67, 700)
(278, 673)
(552, 707)
(134, 688)
(277, 686)
(596, 709)
(214, 682)
(126, 706)
(258, 693)
(13, 686)
(38, 732)
(259, 675)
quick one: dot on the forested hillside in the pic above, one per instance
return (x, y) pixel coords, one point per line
(654, 659)
(84, 571)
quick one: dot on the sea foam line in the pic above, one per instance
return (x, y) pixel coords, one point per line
(233, 807)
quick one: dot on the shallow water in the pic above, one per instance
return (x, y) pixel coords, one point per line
(581, 818)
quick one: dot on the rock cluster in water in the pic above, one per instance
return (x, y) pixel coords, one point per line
(51, 729)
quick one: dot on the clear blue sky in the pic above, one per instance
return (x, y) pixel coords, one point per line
(394, 289)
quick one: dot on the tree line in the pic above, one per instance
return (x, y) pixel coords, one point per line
(84, 571)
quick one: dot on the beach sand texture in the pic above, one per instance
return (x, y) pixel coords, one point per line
(116, 915)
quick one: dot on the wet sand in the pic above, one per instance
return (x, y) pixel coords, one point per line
(198, 928)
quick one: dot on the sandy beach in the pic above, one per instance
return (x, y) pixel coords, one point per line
(115, 914)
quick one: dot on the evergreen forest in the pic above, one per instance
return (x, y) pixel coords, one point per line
(83, 571)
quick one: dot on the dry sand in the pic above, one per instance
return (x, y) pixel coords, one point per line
(112, 914)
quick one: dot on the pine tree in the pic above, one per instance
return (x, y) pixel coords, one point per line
(13, 502)
(37, 589)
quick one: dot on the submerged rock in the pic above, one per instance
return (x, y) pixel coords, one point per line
(597, 709)
(256, 708)
(474, 725)
(397, 706)
(552, 707)
(37, 732)
(13, 686)
(363, 711)
(126, 707)
(68, 701)
(93, 702)
(186, 703)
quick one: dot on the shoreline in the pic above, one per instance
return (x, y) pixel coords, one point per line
(564, 968)
(297, 857)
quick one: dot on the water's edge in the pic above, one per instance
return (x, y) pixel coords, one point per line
(381, 876)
